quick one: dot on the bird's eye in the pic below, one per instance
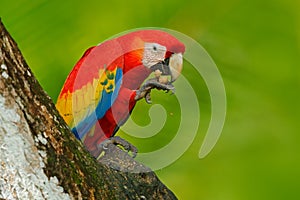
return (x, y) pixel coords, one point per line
(154, 48)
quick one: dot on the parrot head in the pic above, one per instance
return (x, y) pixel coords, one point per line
(156, 50)
(157, 57)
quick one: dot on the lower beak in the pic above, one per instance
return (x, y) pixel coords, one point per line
(171, 66)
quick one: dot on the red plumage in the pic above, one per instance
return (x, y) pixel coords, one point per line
(99, 93)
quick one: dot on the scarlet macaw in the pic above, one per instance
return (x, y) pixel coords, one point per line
(105, 84)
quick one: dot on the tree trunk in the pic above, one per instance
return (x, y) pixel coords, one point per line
(39, 156)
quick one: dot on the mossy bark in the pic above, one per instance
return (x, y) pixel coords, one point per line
(118, 176)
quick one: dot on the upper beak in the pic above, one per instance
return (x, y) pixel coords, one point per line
(170, 66)
(175, 65)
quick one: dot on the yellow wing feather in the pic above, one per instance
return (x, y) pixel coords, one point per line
(74, 107)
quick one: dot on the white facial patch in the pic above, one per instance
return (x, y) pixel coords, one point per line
(153, 54)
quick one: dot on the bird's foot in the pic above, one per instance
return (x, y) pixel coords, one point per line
(154, 83)
(118, 141)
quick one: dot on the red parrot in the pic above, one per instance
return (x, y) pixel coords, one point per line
(102, 89)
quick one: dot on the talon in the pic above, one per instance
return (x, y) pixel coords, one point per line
(144, 91)
(104, 144)
(121, 142)
(172, 90)
(148, 98)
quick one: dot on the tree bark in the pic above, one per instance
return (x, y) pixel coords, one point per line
(39, 156)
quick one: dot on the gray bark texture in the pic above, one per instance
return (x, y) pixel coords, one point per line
(39, 156)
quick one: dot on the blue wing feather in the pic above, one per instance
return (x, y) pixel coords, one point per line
(107, 99)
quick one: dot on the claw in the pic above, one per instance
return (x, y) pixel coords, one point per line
(118, 141)
(144, 91)
(148, 98)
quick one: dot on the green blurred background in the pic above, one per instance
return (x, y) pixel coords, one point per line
(256, 46)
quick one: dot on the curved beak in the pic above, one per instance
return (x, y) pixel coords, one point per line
(175, 65)
(170, 66)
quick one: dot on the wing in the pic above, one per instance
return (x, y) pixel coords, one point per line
(92, 87)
